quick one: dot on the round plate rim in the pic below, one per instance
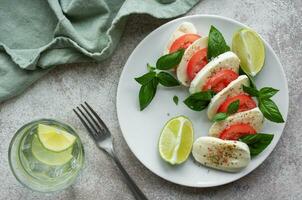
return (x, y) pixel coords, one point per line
(163, 26)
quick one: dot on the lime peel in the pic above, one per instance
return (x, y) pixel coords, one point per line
(176, 140)
(249, 47)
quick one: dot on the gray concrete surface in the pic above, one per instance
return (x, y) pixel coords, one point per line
(279, 177)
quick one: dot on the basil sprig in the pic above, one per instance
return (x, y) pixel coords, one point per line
(257, 142)
(200, 100)
(267, 106)
(149, 83)
(216, 44)
(232, 108)
(155, 76)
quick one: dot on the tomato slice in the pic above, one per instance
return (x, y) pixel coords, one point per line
(234, 132)
(220, 80)
(245, 103)
(183, 42)
(196, 63)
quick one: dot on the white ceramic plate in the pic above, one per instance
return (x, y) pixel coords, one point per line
(141, 130)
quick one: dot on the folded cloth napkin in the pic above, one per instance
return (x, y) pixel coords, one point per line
(37, 35)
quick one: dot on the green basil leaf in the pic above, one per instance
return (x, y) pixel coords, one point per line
(196, 105)
(170, 61)
(175, 99)
(216, 44)
(146, 78)
(251, 91)
(202, 96)
(270, 110)
(155, 82)
(147, 93)
(199, 100)
(257, 142)
(220, 116)
(267, 92)
(233, 107)
(252, 81)
(167, 79)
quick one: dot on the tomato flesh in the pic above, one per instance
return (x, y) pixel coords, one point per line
(220, 80)
(196, 63)
(245, 103)
(236, 131)
(183, 42)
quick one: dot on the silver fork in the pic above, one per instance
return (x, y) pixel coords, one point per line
(103, 139)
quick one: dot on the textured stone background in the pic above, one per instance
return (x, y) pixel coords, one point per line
(279, 177)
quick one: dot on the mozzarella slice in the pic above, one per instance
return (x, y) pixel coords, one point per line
(225, 155)
(253, 117)
(182, 75)
(184, 28)
(233, 89)
(227, 60)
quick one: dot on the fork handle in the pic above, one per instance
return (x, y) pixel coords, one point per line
(138, 194)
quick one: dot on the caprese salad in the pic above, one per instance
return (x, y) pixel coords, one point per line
(220, 79)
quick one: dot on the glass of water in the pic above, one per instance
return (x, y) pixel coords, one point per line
(37, 167)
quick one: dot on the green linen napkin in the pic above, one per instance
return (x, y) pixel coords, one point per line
(36, 35)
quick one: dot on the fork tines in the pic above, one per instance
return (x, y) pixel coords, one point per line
(91, 120)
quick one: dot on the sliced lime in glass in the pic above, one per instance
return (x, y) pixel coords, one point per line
(50, 157)
(176, 139)
(55, 139)
(249, 47)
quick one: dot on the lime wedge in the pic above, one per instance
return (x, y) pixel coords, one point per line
(55, 139)
(49, 157)
(249, 47)
(176, 139)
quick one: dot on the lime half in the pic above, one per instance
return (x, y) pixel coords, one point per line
(49, 157)
(55, 139)
(176, 139)
(249, 47)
